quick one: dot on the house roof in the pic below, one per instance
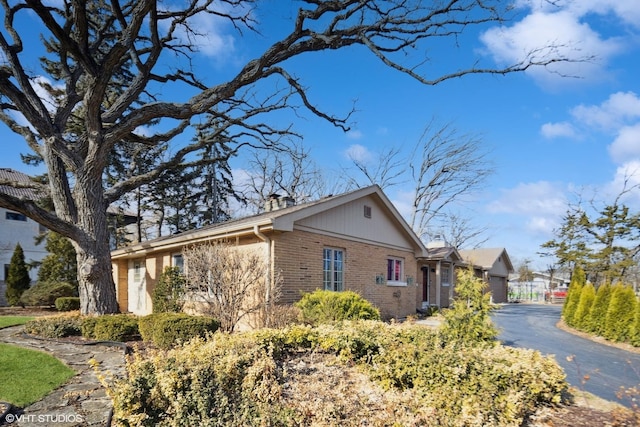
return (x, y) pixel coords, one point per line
(21, 192)
(442, 253)
(486, 258)
(282, 219)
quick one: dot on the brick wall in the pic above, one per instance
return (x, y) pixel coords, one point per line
(298, 256)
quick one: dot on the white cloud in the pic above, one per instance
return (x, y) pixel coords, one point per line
(618, 109)
(626, 146)
(359, 153)
(558, 130)
(537, 198)
(553, 34)
(354, 134)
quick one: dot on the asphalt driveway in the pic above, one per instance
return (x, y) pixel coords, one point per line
(597, 368)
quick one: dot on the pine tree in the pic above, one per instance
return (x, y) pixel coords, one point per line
(18, 279)
(60, 264)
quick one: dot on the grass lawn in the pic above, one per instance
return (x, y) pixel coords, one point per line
(28, 375)
(13, 320)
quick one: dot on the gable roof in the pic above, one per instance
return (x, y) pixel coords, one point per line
(486, 258)
(442, 253)
(282, 219)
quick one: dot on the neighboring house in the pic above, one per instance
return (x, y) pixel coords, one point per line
(354, 241)
(17, 228)
(543, 286)
(493, 266)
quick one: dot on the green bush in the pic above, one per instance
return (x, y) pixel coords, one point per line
(111, 327)
(581, 319)
(67, 303)
(598, 312)
(619, 318)
(469, 318)
(326, 306)
(46, 293)
(249, 380)
(634, 336)
(60, 326)
(165, 330)
(578, 280)
(168, 292)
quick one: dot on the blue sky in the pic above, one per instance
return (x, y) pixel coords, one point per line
(550, 137)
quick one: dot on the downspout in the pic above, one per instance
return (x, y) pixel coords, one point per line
(439, 283)
(267, 240)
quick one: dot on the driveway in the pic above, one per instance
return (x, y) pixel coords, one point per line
(597, 368)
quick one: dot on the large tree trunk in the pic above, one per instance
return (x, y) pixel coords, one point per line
(95, 280)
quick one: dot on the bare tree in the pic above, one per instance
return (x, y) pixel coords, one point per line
(107, 69)
(289, 171)
(460, 232)
(228, 282)
(443, 167)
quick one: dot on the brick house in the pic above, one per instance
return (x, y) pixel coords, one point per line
(355, 241)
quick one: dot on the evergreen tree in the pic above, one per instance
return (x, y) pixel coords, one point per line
(60, 264)
(578, 280)
(598, 313)
(620, 314)
(581, 317)
(17, 280)
(634, 337)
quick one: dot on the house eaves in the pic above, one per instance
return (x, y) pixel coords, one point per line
(282, 220)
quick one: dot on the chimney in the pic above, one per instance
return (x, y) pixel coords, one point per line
(437, 242)
(275, 202)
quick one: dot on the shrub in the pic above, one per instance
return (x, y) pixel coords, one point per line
(326, 306)
(578, 280)
(619, 319)
(168, 329)
(46, 293)
(469, 318)
(17, 279)
(581, 319)
(634, 336)
(249, 379)
(168, 292)
(598, 312)
(67, 303)
(111, 327)
(60, 326)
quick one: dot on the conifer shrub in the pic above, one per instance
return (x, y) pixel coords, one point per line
(598, 313)
(323, 306)
(166, 330)
(17, 280)
(578, 280)
(67, 303)
(46, 293)
(620, 314)
(581, 317)
(634, 335)
(111, 327)
(168, 291)
(469, 318)
(59, 326)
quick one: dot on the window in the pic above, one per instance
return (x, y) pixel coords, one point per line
(367, 211)
(446, 276)
(333, 269)
(137, 271)
(177, 261)
(394, 270)
(15, 216)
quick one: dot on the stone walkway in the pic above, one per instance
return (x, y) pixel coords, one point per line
(82, 401)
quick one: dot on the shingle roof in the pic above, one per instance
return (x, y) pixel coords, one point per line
(7, 174)
(485, 257)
